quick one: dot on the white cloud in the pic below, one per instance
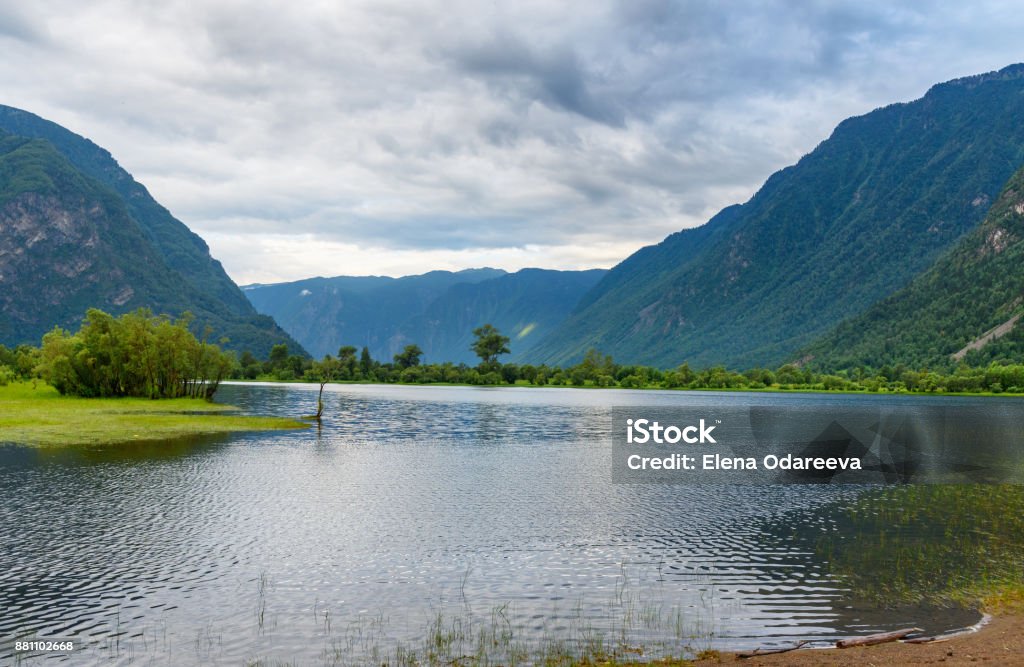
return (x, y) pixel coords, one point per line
(392, 138)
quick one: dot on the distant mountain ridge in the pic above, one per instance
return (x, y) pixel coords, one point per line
(525, 306)
(325, 313)
(853, 221)
(77, 231)
(436, 310)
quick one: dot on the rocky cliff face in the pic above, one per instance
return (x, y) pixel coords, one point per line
(56, 260)
(68, 242)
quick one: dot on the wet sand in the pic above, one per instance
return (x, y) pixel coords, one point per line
(999, 642)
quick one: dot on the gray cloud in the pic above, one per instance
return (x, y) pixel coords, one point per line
(402, 136)
(17, 25)
(555, 77)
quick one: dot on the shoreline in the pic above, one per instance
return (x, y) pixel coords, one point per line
(995, 639)
(37, 416)
(716, 390)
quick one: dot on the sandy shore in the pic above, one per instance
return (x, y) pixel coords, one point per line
(999, 642)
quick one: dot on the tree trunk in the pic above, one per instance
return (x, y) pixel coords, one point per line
(320, 401)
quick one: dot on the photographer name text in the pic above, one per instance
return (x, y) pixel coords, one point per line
(645, 431)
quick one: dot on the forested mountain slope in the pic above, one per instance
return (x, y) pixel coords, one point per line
(977, 288)
(852, 222)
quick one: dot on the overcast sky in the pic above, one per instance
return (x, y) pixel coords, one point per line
(328, 138)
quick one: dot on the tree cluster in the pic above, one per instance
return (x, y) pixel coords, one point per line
(18, 364)
(136, 354)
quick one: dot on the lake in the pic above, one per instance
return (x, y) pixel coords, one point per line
(418, 519)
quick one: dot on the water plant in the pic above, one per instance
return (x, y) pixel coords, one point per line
(935, 544)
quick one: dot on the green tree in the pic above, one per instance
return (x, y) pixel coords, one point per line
(348, 362)
(489, 345)
(409, 357)
(366, 362)
(278, 356)
(595, 364)
(325, 371)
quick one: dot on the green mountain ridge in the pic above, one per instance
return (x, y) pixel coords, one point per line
(972, 290)
(853, 221)
(77, 231)
(436, 310)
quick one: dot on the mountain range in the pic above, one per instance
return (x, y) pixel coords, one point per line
(437, 310)
(77, 231)
(897, 240)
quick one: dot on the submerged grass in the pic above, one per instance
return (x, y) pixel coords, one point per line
(470, 640)
(936, 544)
(35, 414)
(625, 630)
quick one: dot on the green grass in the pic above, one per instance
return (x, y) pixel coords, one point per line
(35, 414)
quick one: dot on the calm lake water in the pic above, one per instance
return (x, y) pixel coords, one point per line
(413, 510)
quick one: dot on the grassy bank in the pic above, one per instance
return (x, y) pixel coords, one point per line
(35, 414)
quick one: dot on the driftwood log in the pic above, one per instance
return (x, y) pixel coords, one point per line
(770, 651)
(881, 638)
(926, 640)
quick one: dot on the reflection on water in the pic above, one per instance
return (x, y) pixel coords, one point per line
(490, 505)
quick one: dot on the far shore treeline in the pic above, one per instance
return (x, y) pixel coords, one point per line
(141, 354)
